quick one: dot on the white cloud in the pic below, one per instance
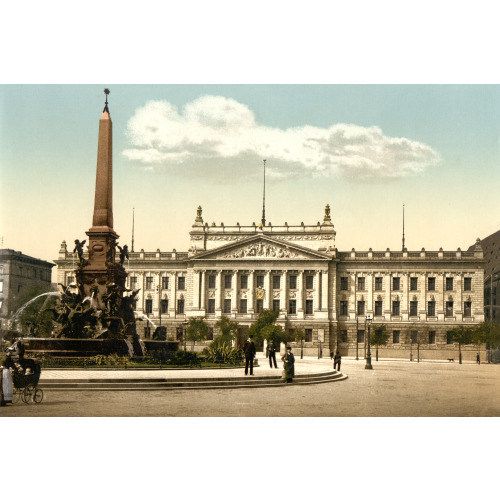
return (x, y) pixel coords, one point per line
(213, 128)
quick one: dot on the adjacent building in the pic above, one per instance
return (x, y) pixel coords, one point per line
(238, 271)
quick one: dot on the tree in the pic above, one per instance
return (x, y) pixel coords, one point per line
(265, 328)
(487, 333)
(379, 337)
(301, 336)
(197, 330)
(463, 336)
(228, 329)
(479, 336)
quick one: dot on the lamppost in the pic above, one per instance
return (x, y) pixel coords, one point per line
(368, 365)
(185, 323)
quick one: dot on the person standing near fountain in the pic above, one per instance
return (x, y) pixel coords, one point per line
(6, 380)
(250, 351)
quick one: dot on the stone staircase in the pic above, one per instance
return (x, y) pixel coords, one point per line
(136, 384)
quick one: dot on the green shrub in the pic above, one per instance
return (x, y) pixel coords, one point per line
(183, 358)
(223, 353)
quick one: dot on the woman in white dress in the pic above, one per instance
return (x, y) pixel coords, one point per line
(6, 380)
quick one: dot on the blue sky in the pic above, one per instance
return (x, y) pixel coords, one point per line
(364, 149)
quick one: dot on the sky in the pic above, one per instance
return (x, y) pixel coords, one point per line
(364, 149)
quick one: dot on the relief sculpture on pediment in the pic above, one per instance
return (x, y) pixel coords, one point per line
(261, 250)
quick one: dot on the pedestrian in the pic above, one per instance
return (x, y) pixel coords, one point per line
(249, 350)
(6, 380)
(271, 352)
(331, 355)
(336, 360)
(478, 359)
(289, 365)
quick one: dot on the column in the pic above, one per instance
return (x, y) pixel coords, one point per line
(300, 292)
(324, 291)
(172, 305)
(284, 291)
(234, 292)
(268, 291)
(218, 293)
(195, 306)
(203, 281)
(317, 292)
(251, 292)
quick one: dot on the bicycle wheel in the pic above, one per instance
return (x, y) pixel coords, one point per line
(16, 395)
(27, 395)
(38, 396)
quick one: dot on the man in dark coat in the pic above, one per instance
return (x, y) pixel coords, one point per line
(250, 351)
(336, 360)
(271, 351)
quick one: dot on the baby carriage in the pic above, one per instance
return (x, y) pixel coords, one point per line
(26, 382)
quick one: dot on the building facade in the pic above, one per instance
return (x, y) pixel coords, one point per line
(19, 273)
(238, 271)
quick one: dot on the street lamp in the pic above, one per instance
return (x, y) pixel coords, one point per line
(368, 365)
(185, 323)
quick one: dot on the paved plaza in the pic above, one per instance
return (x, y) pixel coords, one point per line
(393, 388)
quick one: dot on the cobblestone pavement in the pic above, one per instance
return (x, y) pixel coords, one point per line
(392, 388)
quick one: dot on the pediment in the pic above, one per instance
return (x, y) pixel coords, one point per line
(260, 248)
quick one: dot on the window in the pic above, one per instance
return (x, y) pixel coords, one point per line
(361, 283)
(69, 280)
(467, 284)
(291, 332)
(361, 336)
(378, 308)
(395, 308)
(395, 283)
(179, 333)
(413, 283)
(276, 304)
(180, 306)
(395, 336)
(449, 284)
(449, 309)
(292, 307)
(1, 304)
(19, 288)
(149, 306)
(343, 337)
(343, 307)
(293, 282)
(432, 337)
(309, 306)
(344, 283)
(210, 333)
(228, 279)
(133, 282)
(378, 283)
(260, 281)
(449, 337)
(211, 306)
(308, 334)
(413, 308)
(211, 280)
(431, 309)
(259, 305)
(164, 306)
(361, 307)
(244, 281)
(467, 309)
(276, 282)
(164, 282)
(149, 282)
(181, 283)
(414, 336)
(227, 306)
(243, 305)
(431, 284)
(309, 282)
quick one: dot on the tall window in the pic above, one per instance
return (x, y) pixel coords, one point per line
(211, 281)
(395, 283)
(344, 285)
(467, 309)
(210, 333)
(449, 284)
(244, 282)
(309, 306)
(413, 308)
(211, 306)
(431, 308)
(343, 307)
(432, 337)
(292, 307)
(467, 284)
(149, 282)
(259, 305)
(181, 283)
(276, 304)
(395, 308)
(69, 280)
(449, 337)
(395, 336)
(293, 282)
(361, 307)
(259, 281)
(164, 282)
(243, 305)
(227, 280)
(413, 283)
(361, 336)
(276, 282)
(227, 306)
(180, 306)
(431, 284)
(179, 333)
(343, 337)
(449, 309)
(361, 283)
(309, 281)
(308, 334)
(378, 308)
(149, 306)
(164, 306)
(414, 336)
(378, 283)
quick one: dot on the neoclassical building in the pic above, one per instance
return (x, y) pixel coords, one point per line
(238, 271)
